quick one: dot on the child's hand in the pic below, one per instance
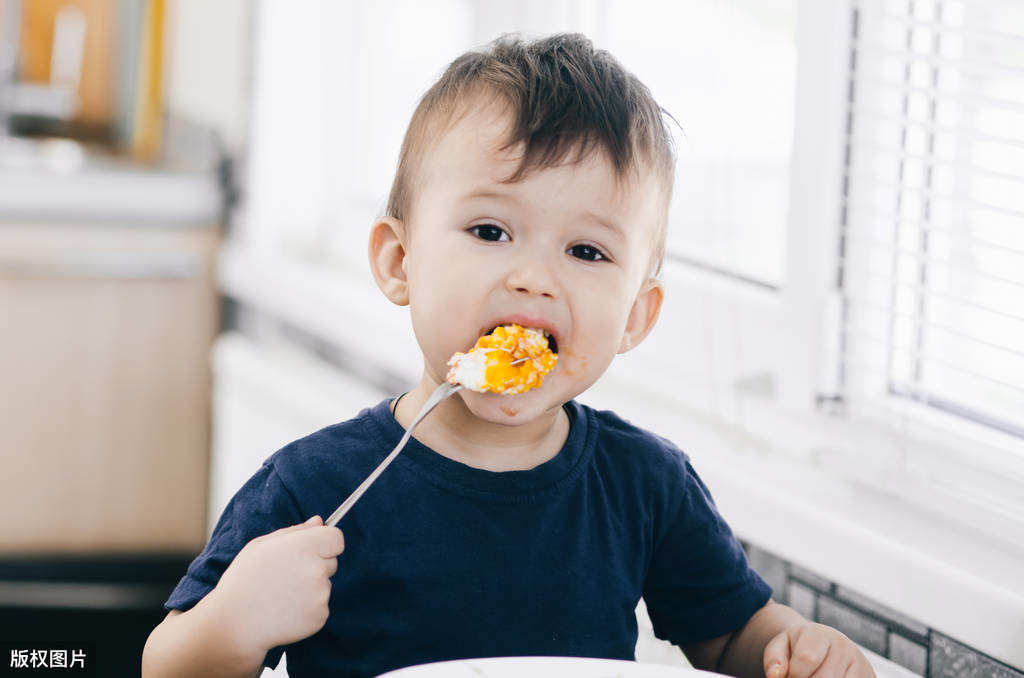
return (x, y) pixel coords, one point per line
(276, 589)
(801, 651)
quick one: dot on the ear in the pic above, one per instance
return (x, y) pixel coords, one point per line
(387, 259)
(643, 315)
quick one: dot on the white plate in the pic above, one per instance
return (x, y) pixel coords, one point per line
(545, 667)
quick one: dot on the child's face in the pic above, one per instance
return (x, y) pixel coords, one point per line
(565, 249)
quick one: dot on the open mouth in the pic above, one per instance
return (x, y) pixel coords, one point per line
(552, 344)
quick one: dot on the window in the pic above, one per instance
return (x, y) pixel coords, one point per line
(335, 84)
(727, 72)
(933, 221)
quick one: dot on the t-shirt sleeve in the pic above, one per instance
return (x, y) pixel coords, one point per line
(699, 585)
(262, 505)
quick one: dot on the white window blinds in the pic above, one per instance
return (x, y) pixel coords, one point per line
(932, 247)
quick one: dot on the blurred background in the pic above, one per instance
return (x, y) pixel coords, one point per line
(186, 189)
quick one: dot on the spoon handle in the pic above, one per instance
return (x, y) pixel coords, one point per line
(440, 393)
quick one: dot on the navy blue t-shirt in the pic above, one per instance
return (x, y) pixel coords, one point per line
(445, 561)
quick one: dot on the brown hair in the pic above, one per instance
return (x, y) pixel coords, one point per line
(566, 97)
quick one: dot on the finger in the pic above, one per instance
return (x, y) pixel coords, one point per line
(311, 522)
(315, 520)
(329, 541)
(832, 665)
(859, 667)
(809, 659)
(776, 656)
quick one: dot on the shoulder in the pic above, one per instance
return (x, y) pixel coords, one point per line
(638, 460)
(327, 457)
(328, 440)
(616, 435)
(650, 473)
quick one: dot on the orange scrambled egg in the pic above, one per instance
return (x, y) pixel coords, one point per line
(488, 365)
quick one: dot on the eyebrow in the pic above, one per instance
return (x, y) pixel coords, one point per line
(490, 193)
(612, 226)
(589, 215)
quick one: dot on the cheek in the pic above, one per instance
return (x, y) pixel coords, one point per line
(434, 281)
(442, 303)
(573, 364)
(598, 335)
(448, 255)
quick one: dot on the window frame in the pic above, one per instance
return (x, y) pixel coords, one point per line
(959, 468)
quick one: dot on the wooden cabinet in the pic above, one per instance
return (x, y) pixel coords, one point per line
(105, 333)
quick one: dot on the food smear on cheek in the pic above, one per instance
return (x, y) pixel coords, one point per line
(489, 364)
(510, 411)
(574, 364)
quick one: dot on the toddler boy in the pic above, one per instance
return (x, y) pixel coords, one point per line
(532, 188)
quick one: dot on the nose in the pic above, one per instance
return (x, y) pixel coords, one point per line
(532, 277)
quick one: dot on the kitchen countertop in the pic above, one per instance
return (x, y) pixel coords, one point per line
(59, 180)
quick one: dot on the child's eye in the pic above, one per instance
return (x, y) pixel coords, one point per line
(489, 232)
(587, 253)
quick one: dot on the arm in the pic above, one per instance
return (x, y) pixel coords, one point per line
(194, 644)
(778, 643)
(275, 592)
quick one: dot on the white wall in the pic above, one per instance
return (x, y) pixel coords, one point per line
(206, 66)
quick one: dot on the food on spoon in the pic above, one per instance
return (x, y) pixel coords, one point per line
(489, 364)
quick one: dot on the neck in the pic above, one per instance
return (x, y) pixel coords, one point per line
(453, 431)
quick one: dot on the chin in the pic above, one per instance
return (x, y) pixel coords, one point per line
(509, 410)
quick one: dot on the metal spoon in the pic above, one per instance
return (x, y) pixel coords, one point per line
(443, 391)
